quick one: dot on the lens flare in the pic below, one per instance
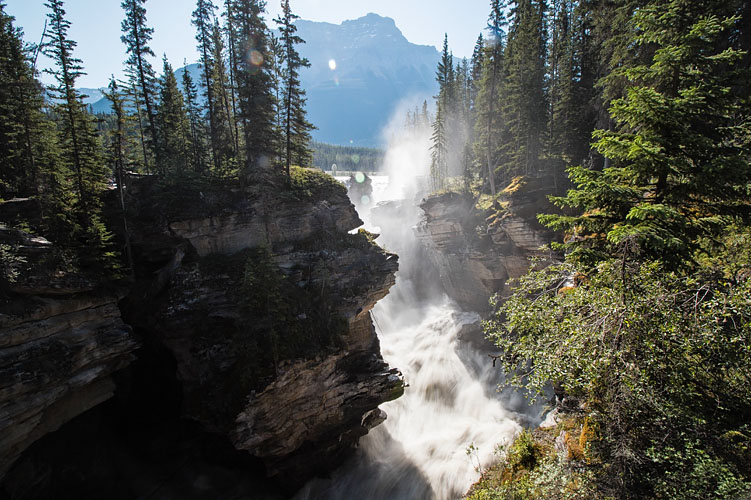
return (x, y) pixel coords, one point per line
(365, 199)
(360, 177)
(256, 58)
(332, 64)
(355, 159)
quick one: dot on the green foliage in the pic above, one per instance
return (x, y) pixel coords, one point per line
(174, 127)
(280, 319)
(10, 261)
(295, 125)
(25, 135)
(531, 469)
(254, 84)
(311, 183)
(680, 151)
(136, 37)
(660, 360)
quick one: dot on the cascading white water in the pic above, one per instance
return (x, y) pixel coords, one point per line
(451, 402)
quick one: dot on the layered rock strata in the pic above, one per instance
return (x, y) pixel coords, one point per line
(61, 340)
(477, 251)
(291, 371)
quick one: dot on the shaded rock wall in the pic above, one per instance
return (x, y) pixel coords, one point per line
(60, 342)
(287, 372)
(476, 252)
(296, 391)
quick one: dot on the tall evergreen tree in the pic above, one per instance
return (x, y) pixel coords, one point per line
(203, 18)
(174, 126)
(24, 131)
(194, 119)
(680, 148)
(223, 118)
(525, 109)
(119, 157)
(276, 56)
(255, 93)
(444, 100)
(488, 124)
(136, 37)
(231, 67)
(296, 126)
(80, 149)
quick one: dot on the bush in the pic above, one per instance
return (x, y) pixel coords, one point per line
(661, 361)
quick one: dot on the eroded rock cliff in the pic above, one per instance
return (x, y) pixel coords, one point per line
(251, 307)
(264, 300)
(62, 338)
(476, 251)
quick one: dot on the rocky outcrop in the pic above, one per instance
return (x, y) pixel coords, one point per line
(264, 303)
(477, 251)
(61, 342)
(252, 310)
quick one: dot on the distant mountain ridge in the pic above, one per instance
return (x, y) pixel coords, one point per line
(376, 68)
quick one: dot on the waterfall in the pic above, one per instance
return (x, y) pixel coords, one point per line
(451, 402)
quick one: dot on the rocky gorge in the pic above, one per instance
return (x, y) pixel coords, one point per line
(241, 348)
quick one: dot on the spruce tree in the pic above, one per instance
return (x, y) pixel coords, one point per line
(203, 18)
(224, 140)
(441, 132)
(197, 138)
(276, 57)
(254, 89)
(174, 126)
(296, 126)
(231, 67)
(25, 135)
(80, 149)
(136, 36)
(119, 157)
(679, 149)
(525, 108)
(488, 124)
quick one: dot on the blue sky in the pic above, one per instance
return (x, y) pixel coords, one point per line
(95, 25)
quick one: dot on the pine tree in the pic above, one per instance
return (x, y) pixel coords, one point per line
(296, 126)
(488, 124)
(224, 139)
(564, 115)
(255, 93)
(203, 21)
(80, 150)
(277, 72)
(136, 36)
(444, 100)
(119, 157)
(197, 139)
(174, 126)
(137, 102)
(232, 66)
(525, 110)
(679, 151)
(24, 131)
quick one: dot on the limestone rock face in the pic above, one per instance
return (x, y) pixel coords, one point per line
(60, 342)
(475, 252)
(290, 371)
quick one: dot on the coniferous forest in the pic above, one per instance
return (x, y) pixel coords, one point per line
(248, 123)
(635, 117)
